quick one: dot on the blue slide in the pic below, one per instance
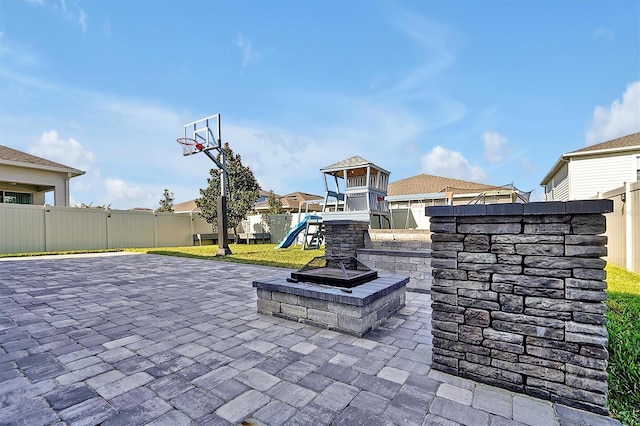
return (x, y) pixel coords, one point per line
(293, 232)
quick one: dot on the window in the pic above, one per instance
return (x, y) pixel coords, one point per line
(10, 197)
(638, 168)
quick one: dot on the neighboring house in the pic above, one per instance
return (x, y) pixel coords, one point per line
(582, 174)
(25, 178)
(190, 206)
(408, 197)
(294, 202)
(186, 207)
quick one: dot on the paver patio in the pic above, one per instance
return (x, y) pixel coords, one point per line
(124, 339)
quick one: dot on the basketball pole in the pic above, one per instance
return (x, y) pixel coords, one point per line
(223, 248)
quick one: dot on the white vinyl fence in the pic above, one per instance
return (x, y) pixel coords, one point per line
(623, 227)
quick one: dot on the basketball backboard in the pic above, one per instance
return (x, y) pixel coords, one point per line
(206, 133)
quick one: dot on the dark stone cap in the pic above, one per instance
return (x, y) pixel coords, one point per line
(346, 222)
(511, 209)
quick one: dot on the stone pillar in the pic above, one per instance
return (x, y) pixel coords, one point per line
(518, 295)
(344, 237)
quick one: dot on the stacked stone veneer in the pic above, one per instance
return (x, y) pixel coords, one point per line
(518, 295)
(406, 257)
(356, 313)
(344, 237)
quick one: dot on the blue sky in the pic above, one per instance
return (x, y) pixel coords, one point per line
(487, 91)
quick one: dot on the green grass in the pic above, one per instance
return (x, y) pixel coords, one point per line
(256, 254)
(623, 325)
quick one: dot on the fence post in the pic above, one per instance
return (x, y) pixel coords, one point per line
(191, 226)
(108, 223)
(155, 228)
(628, 226)
(47, 227)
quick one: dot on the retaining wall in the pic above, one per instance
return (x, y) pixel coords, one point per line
(518, 295)
(410, 257)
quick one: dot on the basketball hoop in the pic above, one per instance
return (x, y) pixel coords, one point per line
(190, 146)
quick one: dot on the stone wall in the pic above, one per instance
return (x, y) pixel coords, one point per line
(344, 237)
(400, 256)
(355, 312)
(518, 295)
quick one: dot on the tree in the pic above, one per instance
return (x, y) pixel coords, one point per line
(274, 203)
(166, 202)
(275, 207)
(242, 192)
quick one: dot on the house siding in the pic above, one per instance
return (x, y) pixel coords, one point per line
(600, 174)
(558, 187)
(561, 190)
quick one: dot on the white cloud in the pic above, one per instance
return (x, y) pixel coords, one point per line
(16, 54)
(82, 19)
(620, 119)
(248, 54)
(65, 151)
(494, 146)
(121, 192)
(420, 86)
(436, 44)
(452, 164)
(603, 33)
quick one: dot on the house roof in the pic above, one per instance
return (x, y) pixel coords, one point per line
(350, 163)
(190, 206)
(13, 157)
(629, 141)
(187, 206)
(298, 198)
(291, 201)
(625, 143)
(427, 184)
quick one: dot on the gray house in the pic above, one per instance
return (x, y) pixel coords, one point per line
(25, 178)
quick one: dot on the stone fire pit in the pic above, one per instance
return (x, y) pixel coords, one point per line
(356, 310)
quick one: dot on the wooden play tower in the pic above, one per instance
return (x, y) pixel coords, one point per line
(362, 197)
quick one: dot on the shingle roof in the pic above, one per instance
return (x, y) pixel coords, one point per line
(349, 163)
(427, 184)
(15, 156)
(187, 206)
(292, 200)
(297, 198)
(629, 141)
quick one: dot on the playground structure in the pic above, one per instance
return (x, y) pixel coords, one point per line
(499, 193)
(363, 195)
(313, 230)
(204, 135)
(362, 198)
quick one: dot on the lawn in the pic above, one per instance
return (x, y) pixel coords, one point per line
(623, 324)
(257, 254)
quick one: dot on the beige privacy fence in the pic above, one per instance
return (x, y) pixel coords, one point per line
(623, 227)
(28, 228)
